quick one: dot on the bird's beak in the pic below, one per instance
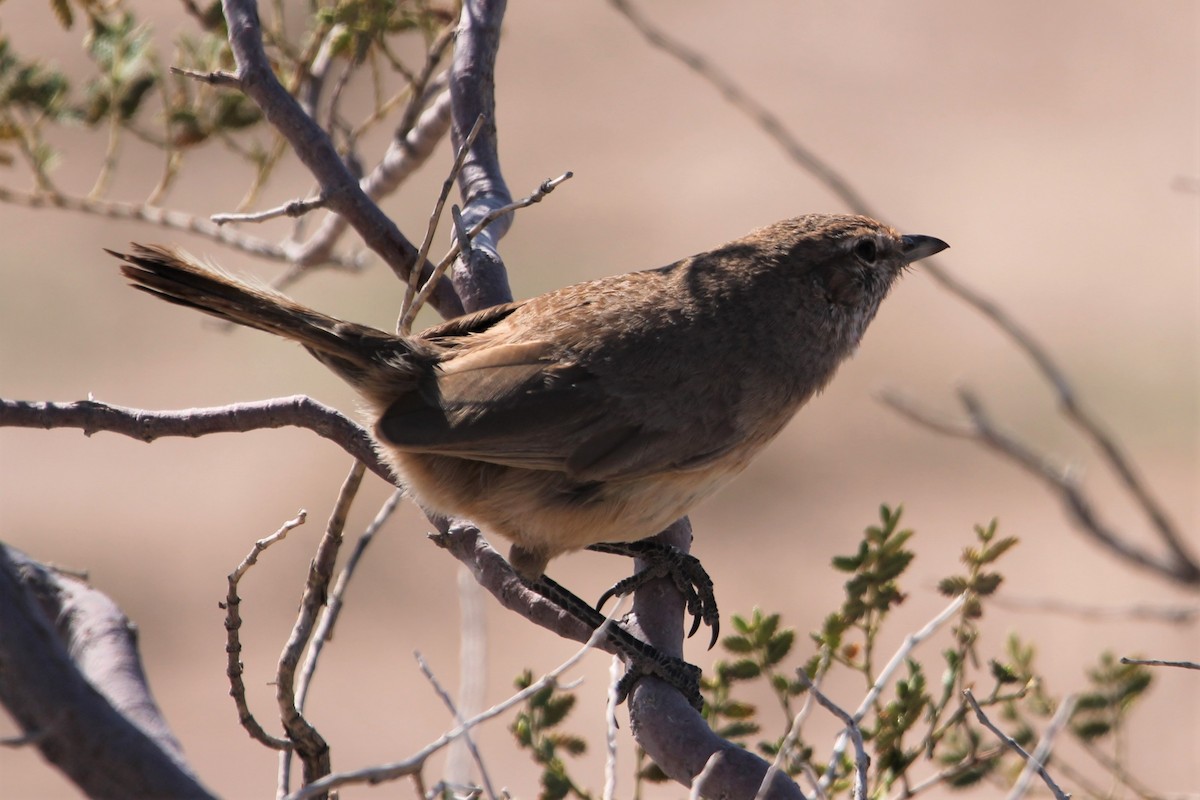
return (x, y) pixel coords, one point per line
(917, 247)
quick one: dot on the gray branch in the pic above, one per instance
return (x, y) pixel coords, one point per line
(316, 151)
(73, 681)
(297, 411)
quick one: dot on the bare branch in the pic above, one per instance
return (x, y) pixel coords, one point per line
(402, 158)
(464, 541)
(615, 668)
(74, 683)
(1177, 564)
(484, 282)
(293, 208)
(314, 148)
(671, 732)
(1041, 753)
(698, 784)
(1184, 567)
(862, 761)
(234, 668)
(306, 741)
(1015, 747)
(1170, 615)
(763, 117)
(413, 764)
(173, 220)
(458, 719)
(464, 239)
(224, 79)
(297, 411)
(1153, 662)
(793, 734)
(885, 677)
(409, 308)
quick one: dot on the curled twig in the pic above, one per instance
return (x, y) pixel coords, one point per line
(233, 625)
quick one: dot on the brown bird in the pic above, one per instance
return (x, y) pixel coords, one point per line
(600, 412)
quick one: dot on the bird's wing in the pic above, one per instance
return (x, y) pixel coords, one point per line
(518, 405)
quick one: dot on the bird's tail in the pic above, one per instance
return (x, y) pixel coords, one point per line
(373, 362)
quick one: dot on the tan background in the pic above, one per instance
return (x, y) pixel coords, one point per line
(1040, 141)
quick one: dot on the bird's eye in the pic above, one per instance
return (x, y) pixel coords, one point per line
(866, 251)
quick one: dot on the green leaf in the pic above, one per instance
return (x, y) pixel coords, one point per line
(779, 647)
(737, 644)
(572, 744)
(1003, 673)
(131, 98)
(1092, 729)
(742, 670)
(997, 549)
(556, 709)
(952, 586)
(738, 710)
(987, 582)
(766, 628)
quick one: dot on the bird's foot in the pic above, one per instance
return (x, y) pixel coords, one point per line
(684, 570)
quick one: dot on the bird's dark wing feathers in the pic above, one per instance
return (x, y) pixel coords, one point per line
(513, 405)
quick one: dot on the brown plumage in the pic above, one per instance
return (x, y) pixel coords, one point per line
(599, 412)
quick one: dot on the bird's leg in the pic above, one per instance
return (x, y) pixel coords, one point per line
(642, 659)
(664, 560)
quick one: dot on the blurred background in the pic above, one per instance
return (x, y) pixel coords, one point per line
(1051, 145)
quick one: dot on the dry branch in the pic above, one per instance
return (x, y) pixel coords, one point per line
(73, 681)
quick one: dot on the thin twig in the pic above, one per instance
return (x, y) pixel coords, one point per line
(233, 646)
(23, 740)
(422, 82)
(1041, 753)
(292, 208)
(980, 757)
(885, 676)
(329, 618)
(1154, 662)
(763, 117)
(403, 157)
(307, 742)
(862, 762)
(1013, 745)
(316, 151)
(448, 701)
(793, 734)
(472, 670)
(1185, 566)
(413, 764)
(217, 78)
(172, 220)
(407, 309)
(536, 196)
(1177, 565)
(1170, 615)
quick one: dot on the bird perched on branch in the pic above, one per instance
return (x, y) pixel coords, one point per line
(599, 413)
